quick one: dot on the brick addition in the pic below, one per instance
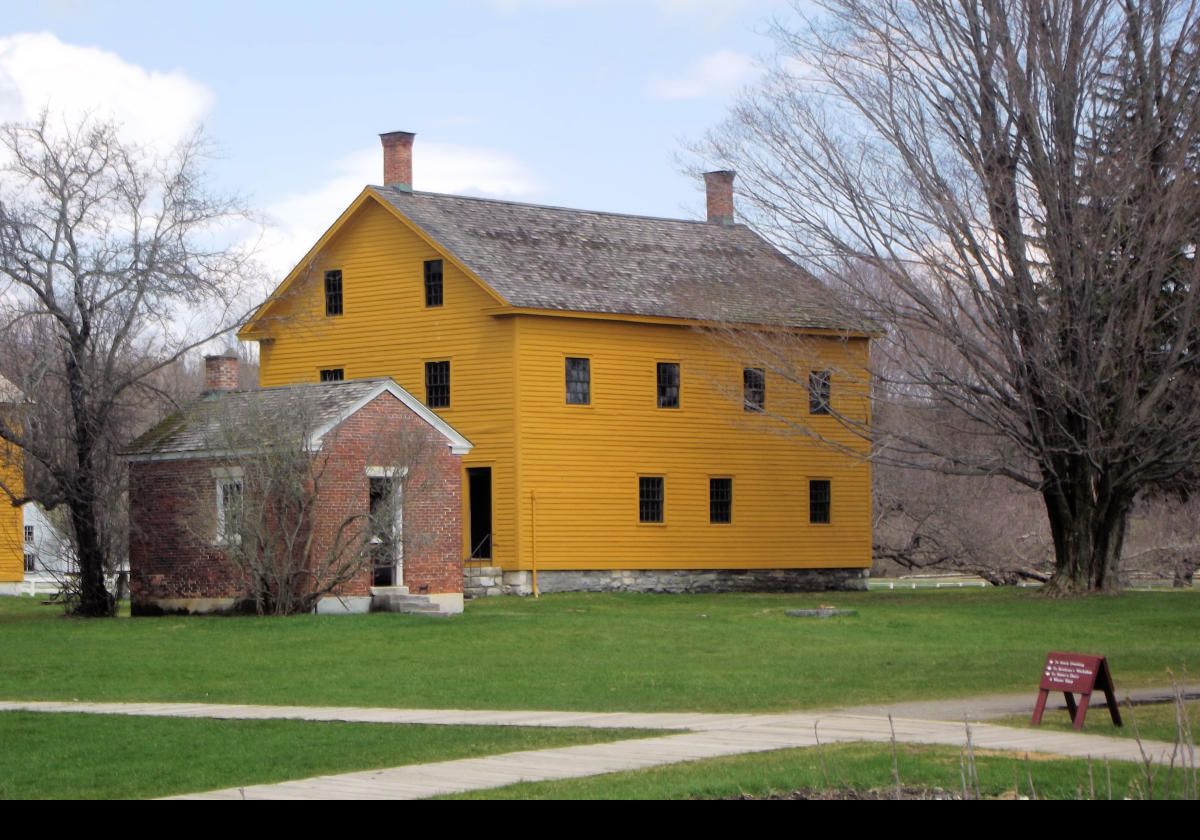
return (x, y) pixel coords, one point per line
(177, 566)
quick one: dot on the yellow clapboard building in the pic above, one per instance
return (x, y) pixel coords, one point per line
(653, 403)
(12, 522)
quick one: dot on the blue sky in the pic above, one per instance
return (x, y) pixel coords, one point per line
(584, 103)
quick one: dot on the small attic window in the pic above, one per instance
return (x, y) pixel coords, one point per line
(333, 374)
(433, 282)
(754, 389)
(333, 292)
(819, 388)
(668, 385)
(579, 381)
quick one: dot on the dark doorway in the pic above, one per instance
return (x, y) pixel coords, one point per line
(384, 514)
(479, 489)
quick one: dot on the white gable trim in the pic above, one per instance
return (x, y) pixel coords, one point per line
(458, 444)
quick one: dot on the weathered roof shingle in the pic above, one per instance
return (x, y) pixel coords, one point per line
(220, 419)
(579, 260)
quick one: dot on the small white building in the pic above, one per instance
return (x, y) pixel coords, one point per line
(49, 557)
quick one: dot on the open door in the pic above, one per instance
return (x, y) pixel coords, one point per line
(387, 539)
(479, 490)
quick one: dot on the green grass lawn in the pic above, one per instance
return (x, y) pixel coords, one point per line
(858, 767)
(70, 756)
(634, 652)
(1151, 722)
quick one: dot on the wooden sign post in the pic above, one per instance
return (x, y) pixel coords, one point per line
(1074, 673)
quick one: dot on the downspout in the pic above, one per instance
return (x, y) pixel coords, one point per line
(533, 542)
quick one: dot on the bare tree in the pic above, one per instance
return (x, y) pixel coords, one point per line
(295, 518)
(114, 262)
(1021, 174)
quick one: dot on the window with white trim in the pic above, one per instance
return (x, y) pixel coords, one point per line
(230, 499)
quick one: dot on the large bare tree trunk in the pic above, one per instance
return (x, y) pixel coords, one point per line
(107, 251)
(1010, 187)
(1087, 521)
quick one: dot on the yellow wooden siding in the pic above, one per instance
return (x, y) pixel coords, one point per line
(579, 465)
(386, 330)
(573, 470)
(12, 520)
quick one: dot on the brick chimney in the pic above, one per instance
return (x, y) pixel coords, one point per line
(397, 159)
(220, 373)
(719, 187)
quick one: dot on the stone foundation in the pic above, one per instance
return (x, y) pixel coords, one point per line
(482, 581)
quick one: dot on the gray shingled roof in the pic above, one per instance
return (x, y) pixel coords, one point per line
(584, 261)
(218, 419)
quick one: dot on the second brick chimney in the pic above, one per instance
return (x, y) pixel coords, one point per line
(719, 187)
(220, 373)
(397, 159)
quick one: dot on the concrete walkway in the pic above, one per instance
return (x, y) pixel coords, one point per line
(704, 736)
(990, 706)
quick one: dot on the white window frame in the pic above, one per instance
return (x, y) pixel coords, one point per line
(397, 475)
(225, 478)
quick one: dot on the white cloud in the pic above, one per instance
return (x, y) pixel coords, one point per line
(39, 72)
(718, 74)
(711, 12)
(297, 221)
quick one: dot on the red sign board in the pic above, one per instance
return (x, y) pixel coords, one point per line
(1076, 673)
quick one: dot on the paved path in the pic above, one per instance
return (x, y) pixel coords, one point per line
(703, 736)
(989, 706)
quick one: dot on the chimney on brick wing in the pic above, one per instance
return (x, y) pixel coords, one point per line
(220, 373)
(719, 187)
(397, 159)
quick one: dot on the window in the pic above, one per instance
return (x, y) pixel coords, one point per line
(30, 561)
(818, 501)
(333, 292)
(754, 389)
(437, 384)
(650, 498)
(668, 385)
(229, 510)
(433, 282)
(818, 392)
(28, 533)
(720, 500)
(579, 381)
(333, 375)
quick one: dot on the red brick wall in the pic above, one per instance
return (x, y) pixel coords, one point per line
(168, 555)
(170, 558)
(386, 434)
